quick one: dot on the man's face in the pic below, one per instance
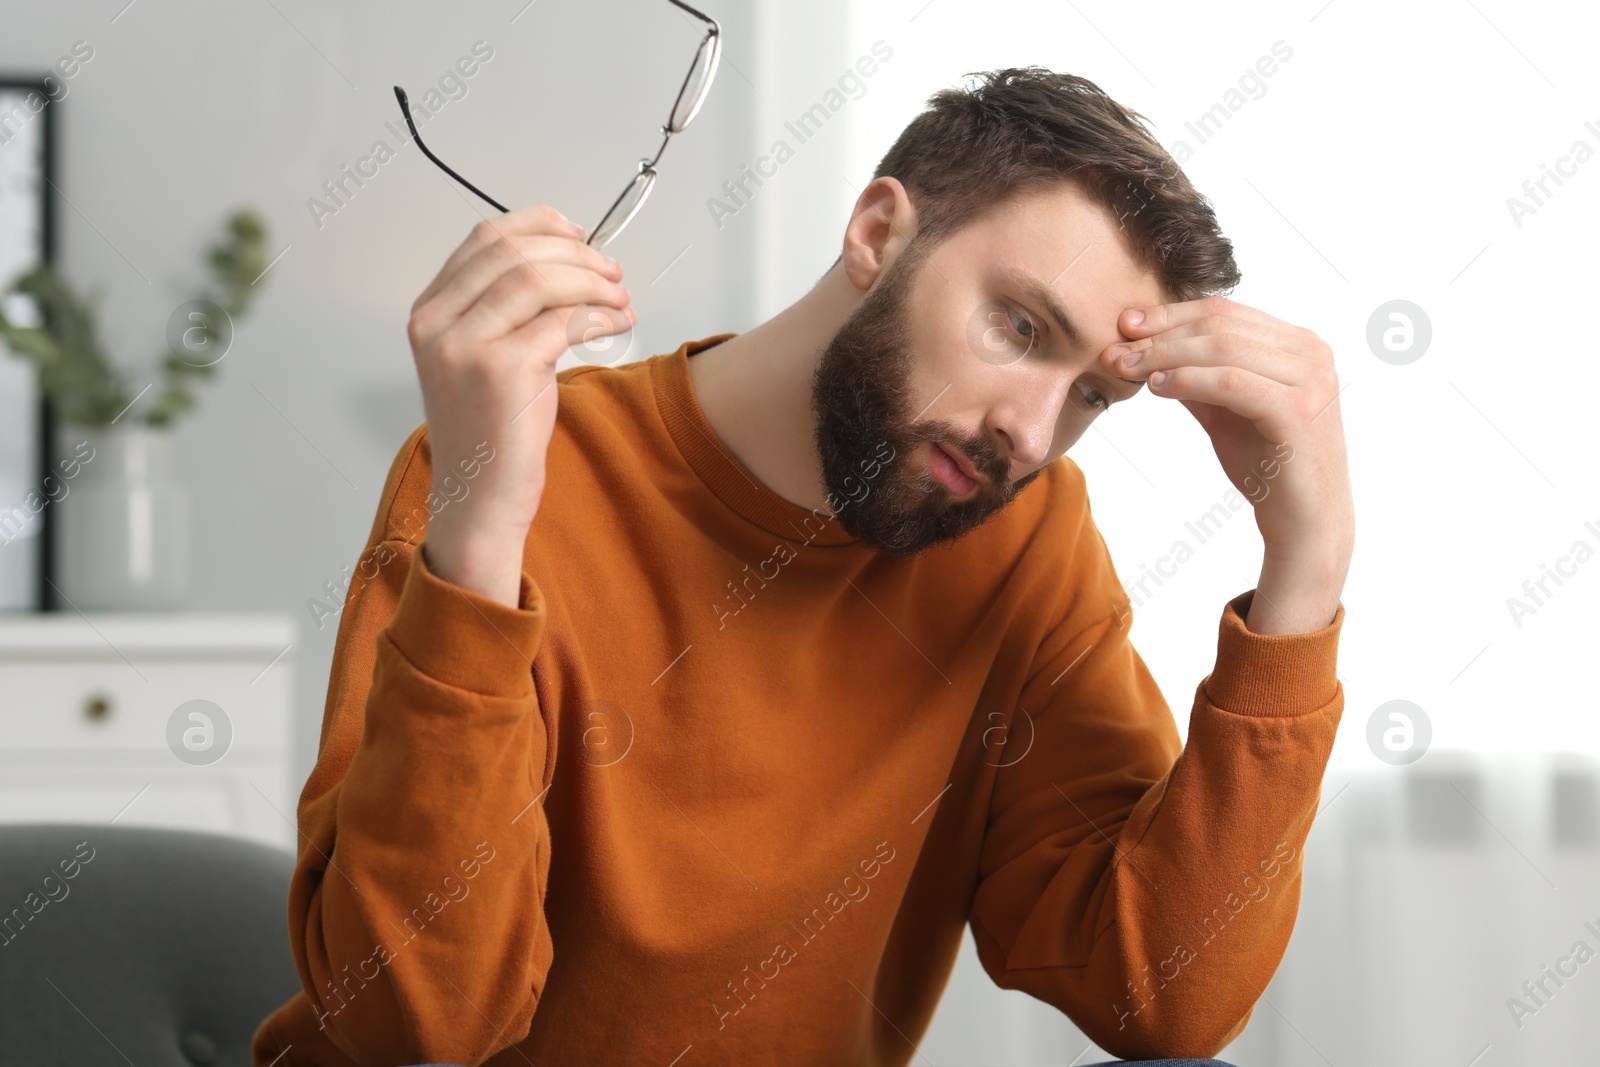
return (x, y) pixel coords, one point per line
(964, 352)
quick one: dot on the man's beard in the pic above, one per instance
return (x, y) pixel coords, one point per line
(859, 395)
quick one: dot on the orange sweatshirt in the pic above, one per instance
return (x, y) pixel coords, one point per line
(726, 785)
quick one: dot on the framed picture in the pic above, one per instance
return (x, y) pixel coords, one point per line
(27, 223)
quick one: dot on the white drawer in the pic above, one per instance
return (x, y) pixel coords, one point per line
(85, 704)
(121, 705)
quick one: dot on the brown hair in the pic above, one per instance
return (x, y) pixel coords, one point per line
(1022, 128)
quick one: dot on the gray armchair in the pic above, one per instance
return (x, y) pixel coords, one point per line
(122, 945)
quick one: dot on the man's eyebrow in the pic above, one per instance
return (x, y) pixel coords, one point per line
(1040, 294)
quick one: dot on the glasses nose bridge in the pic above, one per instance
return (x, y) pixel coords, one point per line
(650, 162)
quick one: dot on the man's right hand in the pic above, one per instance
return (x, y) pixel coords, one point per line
(486, 335)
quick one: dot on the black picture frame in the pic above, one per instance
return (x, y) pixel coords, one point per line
(12, 85)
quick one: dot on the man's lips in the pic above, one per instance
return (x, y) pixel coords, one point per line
(952, 471)
(962, 463)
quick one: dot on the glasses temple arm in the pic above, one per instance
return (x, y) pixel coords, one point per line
(405, 109)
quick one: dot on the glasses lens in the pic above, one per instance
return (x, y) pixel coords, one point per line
(694, 89)
(623, 211)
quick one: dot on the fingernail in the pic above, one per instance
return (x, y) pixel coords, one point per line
(1157, 378)
(1132, 358)
(1135, 317)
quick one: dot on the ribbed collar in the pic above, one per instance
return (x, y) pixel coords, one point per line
(720, 469)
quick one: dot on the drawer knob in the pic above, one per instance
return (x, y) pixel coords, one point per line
(97, 708)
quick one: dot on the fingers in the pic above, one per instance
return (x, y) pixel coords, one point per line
(1216, 354)
(1259, 399)
(534, 221)
(573, 325)
(525, 290)
(1217, 332)
(1249, 348)
(588, 323)
(1161, 317)
(528, 221)
(531, 259)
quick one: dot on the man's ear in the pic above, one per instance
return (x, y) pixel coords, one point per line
(880, 228)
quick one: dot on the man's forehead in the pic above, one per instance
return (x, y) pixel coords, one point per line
(1075, 248)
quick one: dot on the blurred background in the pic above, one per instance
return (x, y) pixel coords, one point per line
(1416, 183)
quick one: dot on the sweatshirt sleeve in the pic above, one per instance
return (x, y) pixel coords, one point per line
(1145, 888)
(416, 907)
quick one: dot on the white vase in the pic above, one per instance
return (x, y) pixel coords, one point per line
(122, 527)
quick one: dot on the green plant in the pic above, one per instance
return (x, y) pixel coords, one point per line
(82, 386)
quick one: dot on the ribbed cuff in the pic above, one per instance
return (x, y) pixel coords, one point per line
(464, 639)
(1272, 674)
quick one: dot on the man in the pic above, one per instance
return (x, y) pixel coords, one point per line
(693, 726)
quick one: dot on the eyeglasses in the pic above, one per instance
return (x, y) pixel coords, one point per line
(690, 96)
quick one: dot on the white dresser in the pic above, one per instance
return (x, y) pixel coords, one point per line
(179, 720)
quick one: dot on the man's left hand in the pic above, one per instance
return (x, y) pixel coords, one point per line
(1267, 395)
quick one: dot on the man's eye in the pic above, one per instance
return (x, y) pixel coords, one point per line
(1026, 328)
(1096, 398)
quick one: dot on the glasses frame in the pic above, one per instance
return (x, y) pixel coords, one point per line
(647, 167)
